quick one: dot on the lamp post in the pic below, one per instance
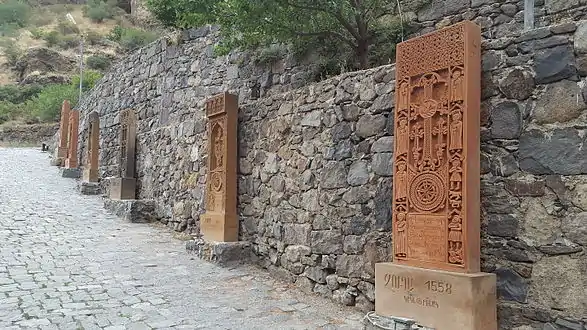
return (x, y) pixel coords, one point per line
(81, 60)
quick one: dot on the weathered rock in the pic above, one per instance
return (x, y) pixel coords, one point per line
(559, 152)
(502, 225)
(382, 164)
(369, 125)
(554, 64)
(575, 228)
(581, 38)
(511, 286)
(326, 241)
(334, 175)
(384, 144)
(506, 120)
(559, 103)
(316, 274)
(294, 233)
(353, 244)
(382, 205)
(561, 289)
(294, 253)
(553, 6)
(524, 189)
(350, 265)
(43, 60)
(517, 84)
(358, 174)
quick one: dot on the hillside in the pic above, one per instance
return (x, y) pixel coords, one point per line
(39, 52)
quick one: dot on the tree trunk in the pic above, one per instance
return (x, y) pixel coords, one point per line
(362, 52)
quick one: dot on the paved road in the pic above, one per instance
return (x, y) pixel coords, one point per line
(66, 264)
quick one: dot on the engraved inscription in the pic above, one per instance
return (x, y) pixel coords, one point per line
(426, 237)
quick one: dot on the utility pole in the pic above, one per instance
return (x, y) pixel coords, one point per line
(81, 58)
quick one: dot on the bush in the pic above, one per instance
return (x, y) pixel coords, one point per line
(116, 33)
(14, 12)
(12, 51)
(68, 42)
(52, 38)
(99, 13)
(37, 33)
(46, 106)
(9, 111)
(94, 38)
(66, 28)
(134, 38)
(90, 79)
(98, 62)
(18, 94)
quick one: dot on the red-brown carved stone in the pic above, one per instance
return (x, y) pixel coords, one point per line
(220, 222)
(63, 133)
(436, 165)
(71, 161)
(93, 145)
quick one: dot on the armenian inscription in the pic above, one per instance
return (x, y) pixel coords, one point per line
(436, 171)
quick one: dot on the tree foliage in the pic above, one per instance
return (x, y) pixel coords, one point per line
(359, 27)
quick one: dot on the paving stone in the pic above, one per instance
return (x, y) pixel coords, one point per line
(68, 264)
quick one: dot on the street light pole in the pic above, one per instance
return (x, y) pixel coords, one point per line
(81, 58)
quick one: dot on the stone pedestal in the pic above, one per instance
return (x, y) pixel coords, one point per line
(437, 299)
(123, 188)
(90, 188)
(135, 211)
(56, 161)
(71, 173)
(223, 253)
(217, 226)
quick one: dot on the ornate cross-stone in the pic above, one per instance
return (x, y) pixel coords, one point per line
(124, 187)
(220, 222)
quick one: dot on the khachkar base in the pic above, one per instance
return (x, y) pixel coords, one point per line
(70, 173)
(123, 188)
(135, 211)
(222, 253)
(90, 188)
(437, 299)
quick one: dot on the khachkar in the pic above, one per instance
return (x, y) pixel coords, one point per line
(93, 145)
(434, 278)
(61, 152)
(220, 222)
(124, 187)
(72, 138)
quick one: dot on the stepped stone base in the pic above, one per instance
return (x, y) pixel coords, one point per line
(56, 161)
(71, 173)
(90, 188)
(135, 211)
(223, 253)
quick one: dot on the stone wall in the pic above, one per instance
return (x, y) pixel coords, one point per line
(315, 172)
(27, 135)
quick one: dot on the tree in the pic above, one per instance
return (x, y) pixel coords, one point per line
(358, 26)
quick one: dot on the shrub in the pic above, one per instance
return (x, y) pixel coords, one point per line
(52, 38)
(9, 111)
(135, 38)
(68, 42)
(37, 33)
(116, 33)
(14, 12)
(99, 13)
(18, 94)
(90, 79)
(47, 104)
(66, 28)
(9, 30)
(98, 62)
(12, 51)
(94, 38)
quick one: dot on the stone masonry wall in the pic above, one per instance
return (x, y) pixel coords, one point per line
(315, 171)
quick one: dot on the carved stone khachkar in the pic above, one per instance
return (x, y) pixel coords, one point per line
(220, 222)
(72, 138)
(124, 187)
(93, 145)
(61, 152)
(434, 278)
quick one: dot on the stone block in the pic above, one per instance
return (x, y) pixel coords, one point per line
(223, 253)
(218, 226)
(437, 299)
(90, 188)
(135, 211)
(71, 173)
(123, 188)
(373, 321)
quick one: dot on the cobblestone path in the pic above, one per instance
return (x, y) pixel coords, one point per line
(67, 264)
